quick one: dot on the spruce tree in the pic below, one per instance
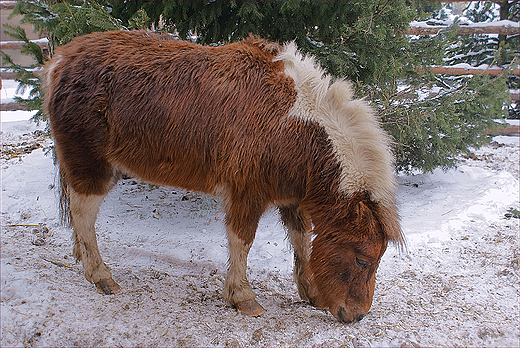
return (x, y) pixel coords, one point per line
(344, 35)
(62, 21)
(26, 78)
(432, 119)
(492, 49)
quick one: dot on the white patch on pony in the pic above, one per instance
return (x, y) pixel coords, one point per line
(50, 68)
(47, 79)
(361, 146)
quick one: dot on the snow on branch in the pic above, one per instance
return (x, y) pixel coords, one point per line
(466, 69)
(17, 45)
(505, 27)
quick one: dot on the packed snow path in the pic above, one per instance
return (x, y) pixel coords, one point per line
(455, 285)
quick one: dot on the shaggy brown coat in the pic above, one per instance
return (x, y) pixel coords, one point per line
(222, 120)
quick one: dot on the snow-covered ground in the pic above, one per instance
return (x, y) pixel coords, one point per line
(9, 91)
(456, 285)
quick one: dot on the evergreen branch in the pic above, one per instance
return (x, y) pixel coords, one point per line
(72, 16)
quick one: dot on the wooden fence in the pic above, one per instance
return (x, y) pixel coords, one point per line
(464, 30)
(468, 30)
(412, 30)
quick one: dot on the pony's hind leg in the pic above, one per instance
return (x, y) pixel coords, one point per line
(299, 228)
(84, 209)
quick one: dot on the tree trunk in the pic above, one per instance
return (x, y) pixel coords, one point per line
(504, 14)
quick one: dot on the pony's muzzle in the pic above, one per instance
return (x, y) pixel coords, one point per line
(345, 317)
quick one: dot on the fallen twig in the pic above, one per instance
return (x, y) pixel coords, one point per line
(25, 225)
(57, 263)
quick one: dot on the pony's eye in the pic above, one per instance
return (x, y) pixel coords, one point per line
(361, 263)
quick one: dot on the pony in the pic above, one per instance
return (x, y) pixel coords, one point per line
(254, 122)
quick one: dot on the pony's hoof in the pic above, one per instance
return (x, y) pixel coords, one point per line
(250, 308)
(107, 287)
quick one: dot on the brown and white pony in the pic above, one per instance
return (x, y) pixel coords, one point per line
(253, 122)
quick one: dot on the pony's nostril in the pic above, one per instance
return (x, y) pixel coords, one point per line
(342, 315)
(358, 317)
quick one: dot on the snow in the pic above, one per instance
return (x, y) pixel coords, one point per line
(466, 23)
(510, 122)
(499, 23)
(9, 91)
(468, 66)
(456, 285)
(42, 40)
(449, 18)
(14, 116)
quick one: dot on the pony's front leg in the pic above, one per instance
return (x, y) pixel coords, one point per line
(241, 227)
(84, 210)
(237, 290)
(299, 231)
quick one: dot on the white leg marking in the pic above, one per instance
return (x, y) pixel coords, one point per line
(300, 236)
(84, 210)
(236, 287)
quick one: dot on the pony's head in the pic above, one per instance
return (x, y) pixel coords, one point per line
(345, 255)
(352, 189)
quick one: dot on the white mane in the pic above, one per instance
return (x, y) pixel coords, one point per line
(361, 146)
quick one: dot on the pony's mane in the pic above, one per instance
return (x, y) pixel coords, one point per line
(360, 145)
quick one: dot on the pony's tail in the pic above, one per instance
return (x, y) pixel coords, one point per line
(48, 101)
(63, 189)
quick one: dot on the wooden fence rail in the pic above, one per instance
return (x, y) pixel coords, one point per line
(17, 45)
(9, 75)
(453, 70)
(412, 30)
(465, 30)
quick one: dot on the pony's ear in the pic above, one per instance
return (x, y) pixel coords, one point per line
(362, 218)
(362, 213)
